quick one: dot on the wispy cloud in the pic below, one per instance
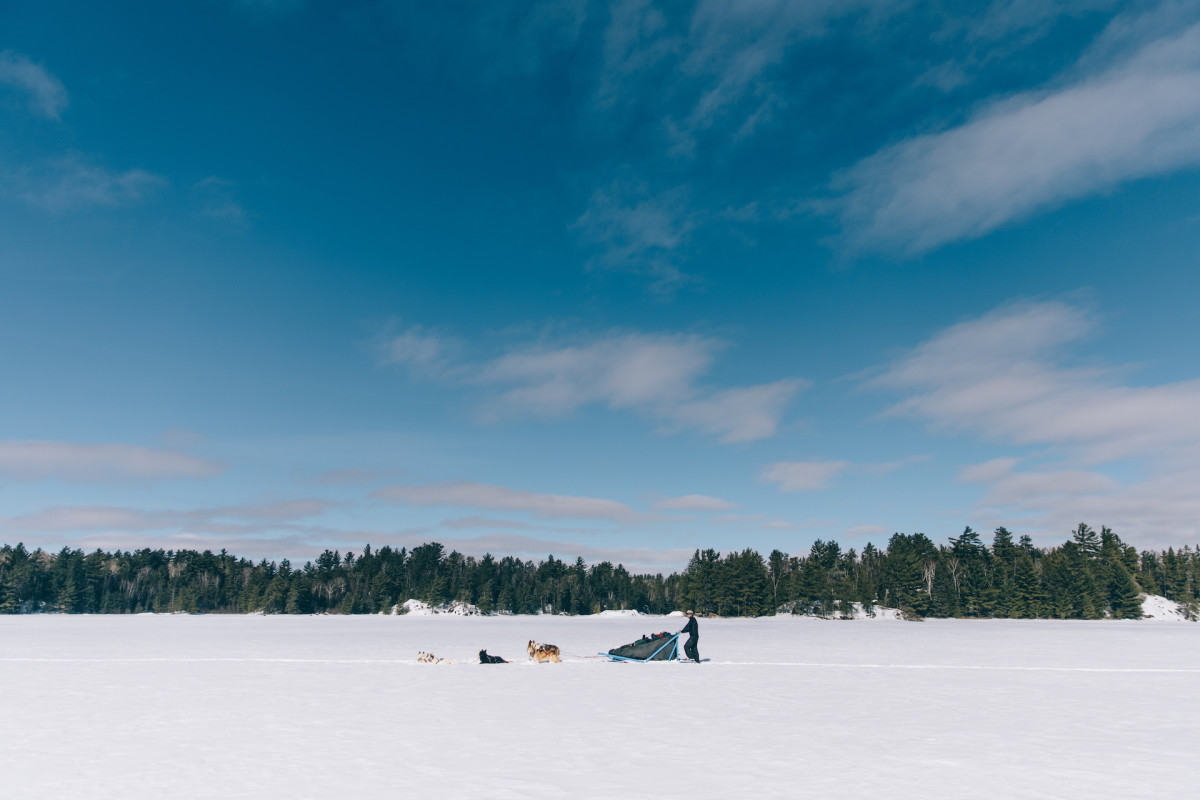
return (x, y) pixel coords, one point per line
(1159, 510)
(987, 471)
(802, 476)
(490, 497)
(422, 350)
(639, 230)
(462, 523)
(657, 376)
(69, 184)
(622, 371)
(998, 375)
(496, 40)
(816, 475)
(1003, 376)
(270, 531)
(216, 199)
(86, 518)
(740, 415)
(353, 476)
(45, 93)
(276, 511)
(639, 36)
(248, 519)
(693, 502)
(97, 463)
(866, 531)
(722, 58)
(1135, 117)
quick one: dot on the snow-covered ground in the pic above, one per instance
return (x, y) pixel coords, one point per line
(338, 707)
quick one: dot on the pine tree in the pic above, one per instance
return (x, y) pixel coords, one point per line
(1002, 546)
(778, 573)
(1086, 540)
(1030, 600)
(1124, 596)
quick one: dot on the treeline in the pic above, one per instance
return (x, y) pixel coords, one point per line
(1091, 576)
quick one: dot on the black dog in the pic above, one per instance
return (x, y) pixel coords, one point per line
(484, 658)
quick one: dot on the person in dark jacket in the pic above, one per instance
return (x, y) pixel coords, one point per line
(691, 629)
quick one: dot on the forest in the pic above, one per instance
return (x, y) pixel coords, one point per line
(1092, 575)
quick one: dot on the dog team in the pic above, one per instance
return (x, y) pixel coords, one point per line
(538, 654)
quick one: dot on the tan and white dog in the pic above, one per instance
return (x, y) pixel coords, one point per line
(543, 652)
(427, 658)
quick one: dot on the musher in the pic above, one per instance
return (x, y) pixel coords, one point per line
(691, 629)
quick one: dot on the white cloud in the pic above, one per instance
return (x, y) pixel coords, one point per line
(1030, 18)
(623, 372)
(108, 528)
(216, 199)
(1046, 489)
(867, 531)
(811, 476)
(419, 349)
(46, 94)
(69, 184)
(740, 415)
(92, 463)
(997, 375)
(1135, 118)
(988, 471)
(693, 502)
(279, 510)
(719, 57)
(1162, 510)
(348, 477)
(84, 518)
(654, 375)
(638, 230)
(251, 518)
(1002, 376)
(466, 494)
(483, 522)
(802, 476)
(884, 467)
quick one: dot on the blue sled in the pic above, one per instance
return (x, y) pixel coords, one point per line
(672, 654)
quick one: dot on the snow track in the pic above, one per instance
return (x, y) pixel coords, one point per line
(414, 662)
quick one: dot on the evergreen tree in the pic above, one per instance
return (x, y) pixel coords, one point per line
(1086, 540)
(1030, 599)
(1003, 548)
(1124, 597)
(778, 573)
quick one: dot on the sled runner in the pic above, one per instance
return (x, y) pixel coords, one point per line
(655, 647)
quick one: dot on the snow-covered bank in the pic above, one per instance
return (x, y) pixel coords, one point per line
(1163, 610)
(422, 609)
(254, 706)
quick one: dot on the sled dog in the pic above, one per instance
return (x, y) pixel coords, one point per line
(543, 652)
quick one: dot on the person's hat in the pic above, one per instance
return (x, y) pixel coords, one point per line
(689, 613)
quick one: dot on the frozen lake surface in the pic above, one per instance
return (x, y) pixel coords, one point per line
(330, 707)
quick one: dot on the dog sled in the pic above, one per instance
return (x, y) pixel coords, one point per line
(653, 647)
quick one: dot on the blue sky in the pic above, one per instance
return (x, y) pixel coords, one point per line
(617, 280)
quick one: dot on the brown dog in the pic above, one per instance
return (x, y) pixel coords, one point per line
(543, 652)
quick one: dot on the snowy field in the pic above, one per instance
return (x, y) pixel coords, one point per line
(338, 707)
